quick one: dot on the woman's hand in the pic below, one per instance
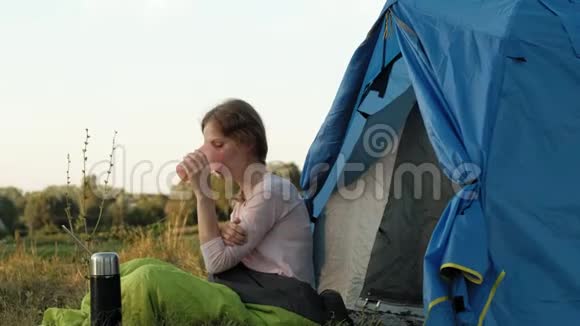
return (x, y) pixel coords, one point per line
(233, 234)
(198, 172)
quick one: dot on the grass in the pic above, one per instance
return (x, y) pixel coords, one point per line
(49, 271)
(47, 248)
(29, 284)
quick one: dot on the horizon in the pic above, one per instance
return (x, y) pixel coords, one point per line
(151, 70)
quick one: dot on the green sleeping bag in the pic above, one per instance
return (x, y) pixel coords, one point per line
(154, 292)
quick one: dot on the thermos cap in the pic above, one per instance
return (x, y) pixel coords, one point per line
(104, 264)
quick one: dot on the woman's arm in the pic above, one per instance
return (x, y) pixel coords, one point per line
(198, 173)
(207, 224)
(232, 233)
(259, 216)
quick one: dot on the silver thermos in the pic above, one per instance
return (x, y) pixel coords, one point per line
(105, 289)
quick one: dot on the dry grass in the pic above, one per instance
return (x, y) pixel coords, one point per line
(176, 244)
(184, 254)
(30, 283)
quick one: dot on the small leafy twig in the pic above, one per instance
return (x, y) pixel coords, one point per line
(106, 184)
(66, 194)
(83, 213)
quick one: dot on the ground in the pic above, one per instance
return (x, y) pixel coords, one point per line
(48, 270)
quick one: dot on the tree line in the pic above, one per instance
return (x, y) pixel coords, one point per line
(79, 207)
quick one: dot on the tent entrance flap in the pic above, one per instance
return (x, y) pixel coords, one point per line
(419, 193)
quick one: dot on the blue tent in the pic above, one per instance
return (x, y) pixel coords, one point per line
(494, 88)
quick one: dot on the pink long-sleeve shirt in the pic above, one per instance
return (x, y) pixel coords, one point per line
(278, 233)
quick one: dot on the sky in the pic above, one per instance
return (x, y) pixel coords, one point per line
(150, 69)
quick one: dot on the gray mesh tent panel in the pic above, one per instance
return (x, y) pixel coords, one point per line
(369, 247)
(419, 193)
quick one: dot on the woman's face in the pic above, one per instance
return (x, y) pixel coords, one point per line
(223, 153)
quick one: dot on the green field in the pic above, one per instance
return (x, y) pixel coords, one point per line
(46, 248)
